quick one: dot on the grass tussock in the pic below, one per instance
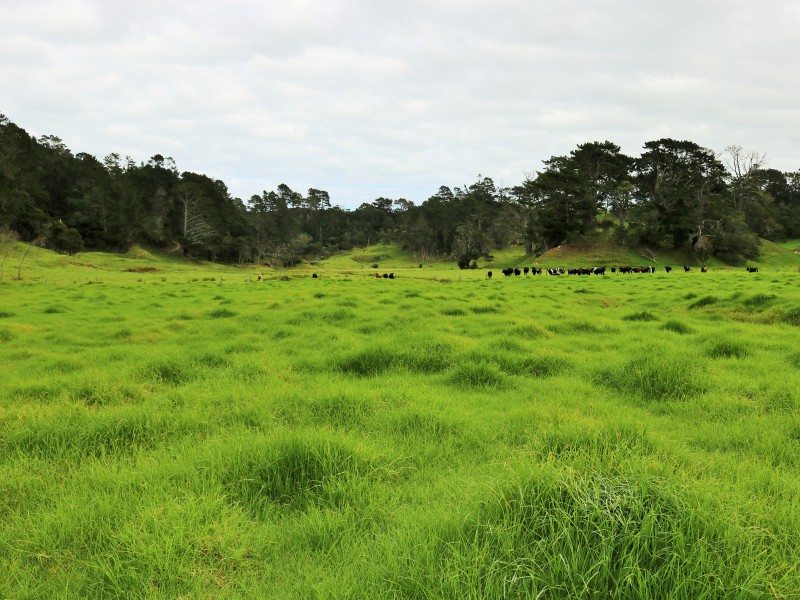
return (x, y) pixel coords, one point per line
(295, 472)
(677, 327)
(655, 376)
(54, 310)
(421, 356)
(727, 349)
(221, 313)
(642, 316)
(169, 371)
(568, 533)
(792, 317)
(704, 301)
(79, 435)
(477, 376)
(529, 332)
(759, 300)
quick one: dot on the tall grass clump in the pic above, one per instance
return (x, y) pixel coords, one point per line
(704, 301)
(477, 375)
(727, 349)
(759, 300)
(368, 362)
(569, 533)
(677, 327)
(640, 316)
(292, 471)
(169, 371)
(655, 376)
(537, 365)
(792, 316)
(416, 356)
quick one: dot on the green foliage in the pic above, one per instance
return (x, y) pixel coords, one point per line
(686, 200)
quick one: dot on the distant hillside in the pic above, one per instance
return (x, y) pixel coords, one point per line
(139, 263)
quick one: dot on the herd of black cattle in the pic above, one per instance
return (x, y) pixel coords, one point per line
(594, 270)
(579, 271)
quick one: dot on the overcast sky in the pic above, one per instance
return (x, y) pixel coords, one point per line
(396, 98)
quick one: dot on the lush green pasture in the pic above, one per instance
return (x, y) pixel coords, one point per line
(167, 434)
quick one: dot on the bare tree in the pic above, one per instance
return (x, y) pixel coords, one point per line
(25, 251)
(8, 241)
(193, 224)
(743, 167)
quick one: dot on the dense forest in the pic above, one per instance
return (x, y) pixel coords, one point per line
(675, 195)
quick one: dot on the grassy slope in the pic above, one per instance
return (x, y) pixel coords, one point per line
(42, 264)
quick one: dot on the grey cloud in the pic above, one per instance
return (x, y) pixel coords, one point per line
(367, 99)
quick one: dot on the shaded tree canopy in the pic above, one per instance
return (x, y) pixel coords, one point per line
(677, 194)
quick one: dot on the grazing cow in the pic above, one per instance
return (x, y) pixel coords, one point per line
(686, 269)
(668, 269)
(391, 275)
(377, 275)
(260, 277)
(314, 276)
(704, 269)
(489, 274)
(525, 270)
(385, 276)
(752, 269)
(517, 272)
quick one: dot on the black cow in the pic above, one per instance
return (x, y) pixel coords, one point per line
(391, 275)
(704, 269)
(517, 272)
(525, 270)
(489, 274)
(668, 269)
(686, 269)
(314, 276)
(752, 269)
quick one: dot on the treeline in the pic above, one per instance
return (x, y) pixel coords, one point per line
(675, 195)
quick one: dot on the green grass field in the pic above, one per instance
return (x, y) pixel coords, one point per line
(182, 430)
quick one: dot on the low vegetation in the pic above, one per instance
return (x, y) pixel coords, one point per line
(191, 431)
